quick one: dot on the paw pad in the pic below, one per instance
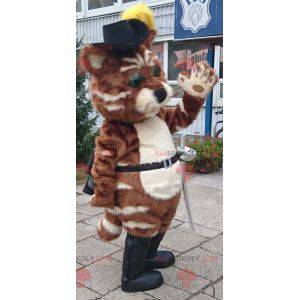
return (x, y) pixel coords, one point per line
(198, 88)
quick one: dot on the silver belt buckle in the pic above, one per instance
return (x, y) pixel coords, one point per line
(167, 163)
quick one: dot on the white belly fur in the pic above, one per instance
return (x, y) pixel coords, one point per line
(156, 144)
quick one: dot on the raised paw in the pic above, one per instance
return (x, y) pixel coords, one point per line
(200, 82)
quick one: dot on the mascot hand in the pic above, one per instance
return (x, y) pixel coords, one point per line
(200, 82)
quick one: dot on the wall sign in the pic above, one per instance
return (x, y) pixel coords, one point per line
(186, 59)
(198, 18)
(183, 55)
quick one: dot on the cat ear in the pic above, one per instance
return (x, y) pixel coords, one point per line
(152, 35)
(92, 58)
(149, 40)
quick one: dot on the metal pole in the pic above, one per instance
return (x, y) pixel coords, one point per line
(184, 186)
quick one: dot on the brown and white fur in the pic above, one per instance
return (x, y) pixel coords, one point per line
(137, 130)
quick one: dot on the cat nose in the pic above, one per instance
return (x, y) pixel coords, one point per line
(160, 95)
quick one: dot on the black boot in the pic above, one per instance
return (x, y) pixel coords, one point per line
(158, 259)
(134, 278)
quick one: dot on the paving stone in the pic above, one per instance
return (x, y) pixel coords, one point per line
(92, 249)
(214, 180)
(215, 245)
(118, 256)
(118, 294)
(167, 292)
(175, 223)
(202, 297)
(219, 290)
(83, 199)
(183, 279)
(180, 241)
(79, 188)
(88, 210)
(209, 291)
(206, 205)
(82, 293)
(201, 262)
(80, 217)
(83, 231)
(93, 221)
(105, 276)
(199, 230)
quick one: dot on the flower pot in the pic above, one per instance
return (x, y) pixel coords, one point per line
(205, 167)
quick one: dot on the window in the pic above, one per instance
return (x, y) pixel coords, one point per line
(221, 90)
(158, 50)
(93, 4)
(220, 94)
(181, 57)
(218, 90)
(78, 6)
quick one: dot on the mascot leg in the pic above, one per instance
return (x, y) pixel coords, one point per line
(109, 226)
(134, 278)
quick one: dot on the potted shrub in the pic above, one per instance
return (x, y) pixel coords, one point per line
(209, 155)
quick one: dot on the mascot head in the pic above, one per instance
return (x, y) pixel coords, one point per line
(127, 82)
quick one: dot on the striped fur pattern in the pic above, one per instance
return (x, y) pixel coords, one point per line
(137, 129)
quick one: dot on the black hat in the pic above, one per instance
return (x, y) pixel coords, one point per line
(125, 34)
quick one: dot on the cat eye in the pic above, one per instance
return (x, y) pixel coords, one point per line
(155, 70)
(135, 80)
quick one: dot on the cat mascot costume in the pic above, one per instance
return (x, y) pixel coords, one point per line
(136, 169)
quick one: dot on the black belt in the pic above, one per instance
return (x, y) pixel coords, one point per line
(166, 163)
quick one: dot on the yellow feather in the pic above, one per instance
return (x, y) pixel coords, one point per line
(141, 12)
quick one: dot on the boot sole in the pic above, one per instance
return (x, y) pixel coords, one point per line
(128, 289)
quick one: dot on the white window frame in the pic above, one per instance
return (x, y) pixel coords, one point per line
(117, 8)
(217, 100)
(103, 10)
(174, 100)
(81, 14)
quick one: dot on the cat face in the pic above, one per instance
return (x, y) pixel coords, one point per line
(125, 86)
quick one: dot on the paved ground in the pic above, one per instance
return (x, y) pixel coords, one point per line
(197, 273)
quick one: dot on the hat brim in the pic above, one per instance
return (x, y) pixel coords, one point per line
(124, 35)
(110, 47)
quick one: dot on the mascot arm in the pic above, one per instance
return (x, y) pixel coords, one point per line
(183, 114)
(110, 147)
(196, 87)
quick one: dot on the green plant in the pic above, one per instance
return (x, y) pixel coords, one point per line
(85, 117)
(209, 156)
